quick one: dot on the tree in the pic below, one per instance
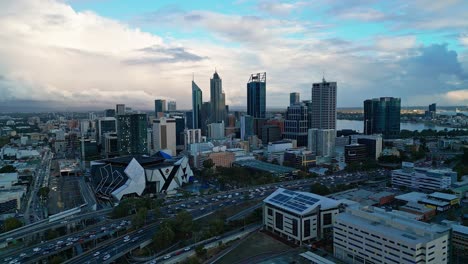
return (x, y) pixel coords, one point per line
(200, 251)
(319, 189)
(56, 260)
(183, 224)
(139, 219)
(7, 169)
(164, 236)
(51, 234)
(43, 193)
(208, 164)
(11, 223)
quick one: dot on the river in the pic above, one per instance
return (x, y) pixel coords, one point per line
(359, 126)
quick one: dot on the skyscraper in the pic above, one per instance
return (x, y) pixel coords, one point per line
(321, 141)
(382, 116)
(172, 106)
(247, 126)
(323, 112)
(109, 113)
(159, 106)
(296, 124)
(218, 108)
(256, 95)
(164, 134)
(132, 134)
(294, 98)
(120, 109)
(197, 101)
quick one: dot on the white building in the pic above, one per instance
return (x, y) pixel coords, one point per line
(216, 130)
(192, 136)
(300, 216)
(373, 144)
(7, 180)
(424, 179)
(321, 141)
(372, 235)
(164, 135)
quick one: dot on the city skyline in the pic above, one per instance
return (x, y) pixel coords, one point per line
(134, 52)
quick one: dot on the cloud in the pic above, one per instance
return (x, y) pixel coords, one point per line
(460, 96)
(277, 8)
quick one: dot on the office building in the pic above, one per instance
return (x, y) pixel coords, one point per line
(382, 116)
(373, 144)
(132, 134)
(205, 117)
(299, 158)
(256, 95)
(431, 112)
(322, 141)
(111, 145)
(189, 119)
(372, 235)
(296, 124)
(247, 127)
(294, 98)
(323, 106)
(300, 216)
(355, 153)
(217, 100)
(216, 130)
(120, 109)
(424, 179)
(180, 127)
(109, 113)
(159, 106)
(192, 136)
(172, 106)
(197, 101)
(270, 133)
(164, 135)
(103, 126)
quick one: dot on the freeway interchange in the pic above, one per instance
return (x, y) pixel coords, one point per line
(109, 241)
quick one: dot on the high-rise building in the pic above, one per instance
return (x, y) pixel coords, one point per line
(247, 127)
(431, 112)
(159, 106)
(109, 113)
(111, 144)
(120, 109)
(256, 95)
(164, 135)
(205, 117)
(321, 141)
(433, 107)
(216, 130)
(373, 144)
(192, 136)
(294, 98)
(355, 153)
(270, 133)
(323, 111)
(132, 134)
(197, 101)
(218, 101)
(296, 124)
(172, 106)
(382, 116)
(189, 120)
(180, 127)
(105, 125)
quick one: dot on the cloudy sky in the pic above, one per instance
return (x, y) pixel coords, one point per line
(93, 54)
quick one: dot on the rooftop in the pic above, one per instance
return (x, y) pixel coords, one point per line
(443, 196)
(265, 166)
(299, 202)
(412, 197)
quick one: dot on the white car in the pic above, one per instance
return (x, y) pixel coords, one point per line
(167, 257)
(106, 257)
(96, 254)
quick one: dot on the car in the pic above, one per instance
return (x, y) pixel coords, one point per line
(126, 237)
(135, 239)
(187, 249)
(36, 249)
(106, 257)
(140, 231)
(203, 208)
(126, 240)
(9, 239)
(152, 262)
(69, 244)
(59, 242)
(167, 257)
(23, 255)
(96, 254)
(7, 259)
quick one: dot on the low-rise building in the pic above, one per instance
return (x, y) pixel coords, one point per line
(424, 179)
(424, 213)
(300, 216)
(372, 235)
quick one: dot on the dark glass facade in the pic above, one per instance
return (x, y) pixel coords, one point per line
(256, 95)
(197, 101)
(296, 124)
(382, 116)
(132, 133)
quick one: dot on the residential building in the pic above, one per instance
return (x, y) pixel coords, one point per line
(164, 135)
(321, 141)
(120, 109)
(256, 95)
(355, 153)
(197, 101)
(296, 124)
(382, 116)
(192, 136)
(172, 106)
(300, 216)
(323, 106)
(132, 134)
(424, 179)
(294, 98)
(373, 235)
(217, 100)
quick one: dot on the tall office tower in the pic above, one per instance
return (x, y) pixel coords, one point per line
(433, 107)
(197, 101)
(218, 103)
(109, 113)
(270, 133)
(164, 134)
(431, 113)
(159, 106)
(256, 95)
(247, 126)
(382, 116)
(294, 98)
(132, 134)
(322, 141)
(189, 119)
(103, 126)
(172, 106)
(120, 109)
(205, 117)
(323, 105)
(296, 124)
(180, 127)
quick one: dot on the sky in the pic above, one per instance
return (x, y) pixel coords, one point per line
(93, 54)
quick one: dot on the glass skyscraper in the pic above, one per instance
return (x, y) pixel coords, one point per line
(197, 101)
(159, 106)
(217, 100)
(256, 95)
(132, 134)
(382, 116)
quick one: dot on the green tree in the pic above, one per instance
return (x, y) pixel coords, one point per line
(164, 236)
(7, 169)
(200, 251)
(319, 189)
(51, 234)
(208, 164)
(139, 219)
(56, 260)
(43, 193)
(11, 223)
(183, 224)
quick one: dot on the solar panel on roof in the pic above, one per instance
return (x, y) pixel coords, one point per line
(289, 192)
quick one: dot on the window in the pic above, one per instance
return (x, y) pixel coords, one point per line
(294, 227)
(270, 212)
(279, 221)
(307, 228)
(327, 219)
